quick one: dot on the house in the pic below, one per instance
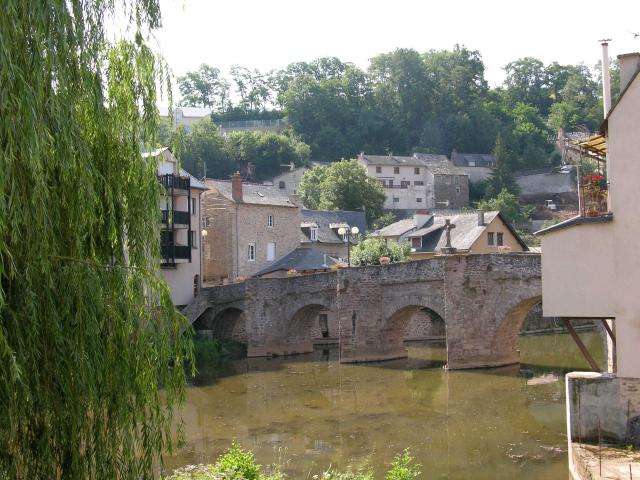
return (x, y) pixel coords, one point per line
(591, 269)
(319, 229)
(477, 232)
(398, 231)
(185, 116)
(180, 228)
(302, 261)
(418, 182)
(289, 180)
(477, 165)
(248, 228)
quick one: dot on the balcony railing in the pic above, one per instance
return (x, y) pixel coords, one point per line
(172, 252)
(170, 180)
(178, 217)
(593, 191)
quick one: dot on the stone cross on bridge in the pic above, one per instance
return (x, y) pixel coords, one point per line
(483, 300)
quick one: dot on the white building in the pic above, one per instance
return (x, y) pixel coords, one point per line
(181, 263)
(185, 116)
(422, 181)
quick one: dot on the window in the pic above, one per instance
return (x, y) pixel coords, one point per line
(324, 325)
(490, 239)
(208, 222)
(396, 169)
(438, 179)
(390, 183)
(193, 206)
(419, 200)
(271, 251)
(193, 239)
(418, 182)
(500, 239)
(270, 221)
(416, 170)
(378, 169)
(384, 184)
(251, 252)
(458, 190)
(396, 199)
(455, 180)
(404, 184)
(416, 242)
(196, 285)
(314, 234)
(281, 185)
(472, 164)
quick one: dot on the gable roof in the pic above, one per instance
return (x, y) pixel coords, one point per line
(396, 229)
(465, 233)
(328, 221)
(435, 163)
(302, 258)
(439, 164)
(391, 160)
(252, 193)
(166, 169)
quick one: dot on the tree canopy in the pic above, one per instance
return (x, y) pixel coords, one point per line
(88, 333)
(342, 185)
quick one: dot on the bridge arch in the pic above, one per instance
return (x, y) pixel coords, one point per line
(226, 324)
(505, 340)
(303, 326)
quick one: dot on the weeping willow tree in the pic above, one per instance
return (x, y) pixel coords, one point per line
(91, 350)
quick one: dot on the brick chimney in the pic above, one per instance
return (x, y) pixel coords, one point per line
(629, 65)
(480, 218)
(236, 187)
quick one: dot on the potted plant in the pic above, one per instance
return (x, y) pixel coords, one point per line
(292, 272)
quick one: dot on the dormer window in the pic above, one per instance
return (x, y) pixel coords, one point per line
(281, 185)
(314, 234)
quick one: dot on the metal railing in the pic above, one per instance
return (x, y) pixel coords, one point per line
(253, 124)
(171, 252)
(170, 180)
(593, 191)
(177, 216)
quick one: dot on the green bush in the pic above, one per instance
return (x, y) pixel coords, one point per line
(238, 464)
(402, 467)
(369, 251)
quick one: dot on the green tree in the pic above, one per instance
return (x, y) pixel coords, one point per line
(204, 151)
(91, 346)
(501, 177)
(342, 185)
(204, 88)
(507, 204)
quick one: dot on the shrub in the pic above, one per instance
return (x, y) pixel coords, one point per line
(402, 467)
(369, 251)
(238, 464)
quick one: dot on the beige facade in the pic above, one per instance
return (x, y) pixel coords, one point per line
(248, 234)
(590, 265)
(496, 227)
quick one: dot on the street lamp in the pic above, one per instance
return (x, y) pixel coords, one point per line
(345, 233)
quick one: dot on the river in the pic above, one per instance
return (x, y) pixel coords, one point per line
(309, 412)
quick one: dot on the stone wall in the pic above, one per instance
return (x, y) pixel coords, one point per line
(451, 188)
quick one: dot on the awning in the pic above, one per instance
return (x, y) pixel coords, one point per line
(595, 145)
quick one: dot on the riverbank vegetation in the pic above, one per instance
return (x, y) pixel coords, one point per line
(239, 464)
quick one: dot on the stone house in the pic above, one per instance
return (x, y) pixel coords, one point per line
(477, 165)
(289, 180)
(478, 232)
(418, 182)
(180, 228)
(319, 229)
(248, 227)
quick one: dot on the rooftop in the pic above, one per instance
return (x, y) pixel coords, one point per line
(252, 193)
(328, 221)
(300, 259)
(473, 159)
(168, 168)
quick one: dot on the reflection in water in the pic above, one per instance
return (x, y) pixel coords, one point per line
(313, 412)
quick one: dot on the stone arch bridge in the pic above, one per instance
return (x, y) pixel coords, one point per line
(482, 298)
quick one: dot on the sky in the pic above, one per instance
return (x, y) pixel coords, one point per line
(271, 34)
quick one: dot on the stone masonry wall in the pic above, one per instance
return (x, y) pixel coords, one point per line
(454, 188)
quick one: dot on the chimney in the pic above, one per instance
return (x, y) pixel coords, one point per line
(480, 218)
(606, 77)
(629, 65)
(236, 187)
(421, 217)
(295, 199)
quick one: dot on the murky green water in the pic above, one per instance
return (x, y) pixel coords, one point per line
(309, 412)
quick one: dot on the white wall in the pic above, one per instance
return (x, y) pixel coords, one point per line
(406, 196)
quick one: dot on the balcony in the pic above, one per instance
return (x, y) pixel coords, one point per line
(172, 182)
(170, 253)
(178, 217)
(593, 191)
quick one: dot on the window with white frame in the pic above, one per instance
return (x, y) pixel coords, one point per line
(270, 221)
(271, 251)
(314, 234)
(251, 252)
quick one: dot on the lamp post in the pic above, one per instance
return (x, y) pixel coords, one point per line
(348, 234)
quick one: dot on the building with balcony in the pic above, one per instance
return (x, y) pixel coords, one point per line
(180, 228)
(591, 269)
(419, 181)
